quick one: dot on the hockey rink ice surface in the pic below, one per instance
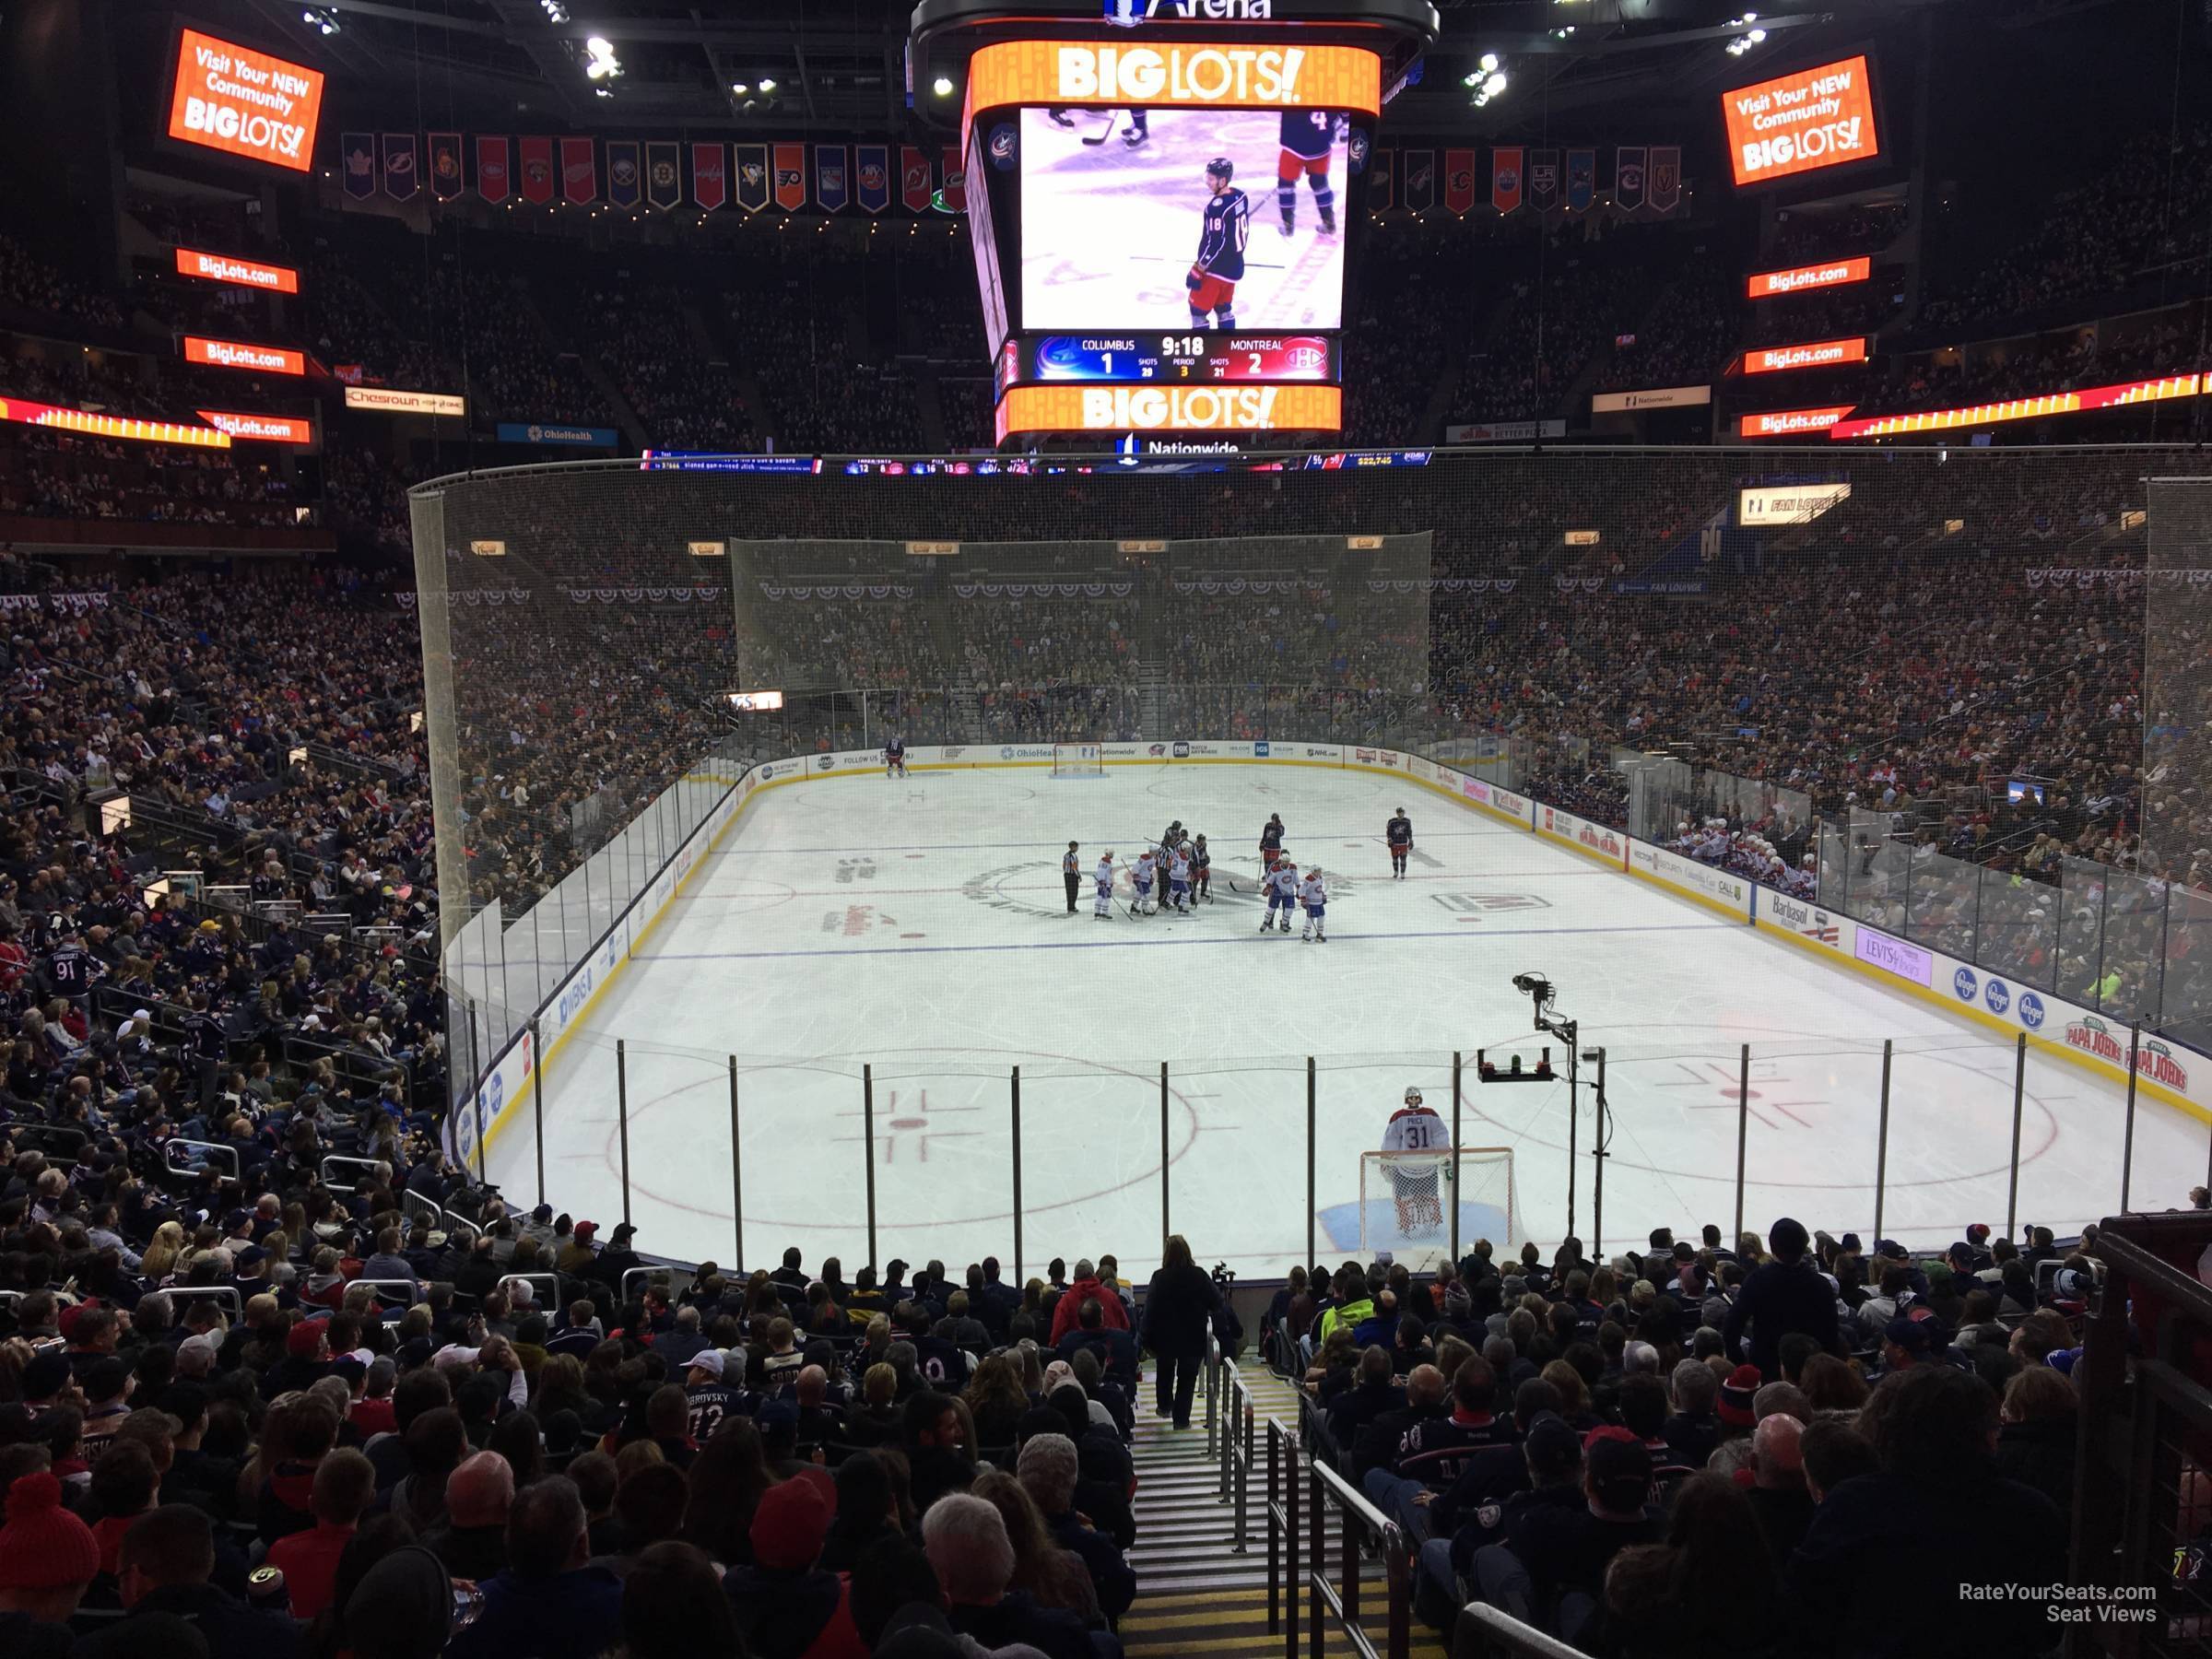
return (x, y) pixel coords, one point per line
(919, 927)
(1108, 232)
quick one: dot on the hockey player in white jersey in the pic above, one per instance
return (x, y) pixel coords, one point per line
(1281, 882)
(1178, 879)
(1415, 1181)
(1141, 877)
(1314, 896)
(1103, 878)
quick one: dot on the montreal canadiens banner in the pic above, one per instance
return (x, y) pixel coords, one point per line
(491, 169)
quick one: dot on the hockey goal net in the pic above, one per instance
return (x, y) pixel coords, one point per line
(1406, 1201)
(1077, 760)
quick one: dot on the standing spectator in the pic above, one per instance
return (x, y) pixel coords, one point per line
(1177, 1306)
(1784, 1295)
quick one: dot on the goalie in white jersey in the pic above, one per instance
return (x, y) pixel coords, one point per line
(1417, 1182)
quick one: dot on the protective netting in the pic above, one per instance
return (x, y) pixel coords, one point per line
(2177, 747)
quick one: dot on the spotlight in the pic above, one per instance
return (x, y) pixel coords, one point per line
(1488, 61)
(941, 86)
(600, 46)
(768, 83)
(1757, 35)
(1492, 87)
(739, 87)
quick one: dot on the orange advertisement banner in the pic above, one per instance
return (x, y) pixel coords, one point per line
(244, 102)
(110, 425)
(1799, 279)
(241, 273)
(2117, 396)
(237, 354)
(1170, 409)
(1791, 423)
(1228, 75)
(1812, 354)
(261, 428)
(1801, 122)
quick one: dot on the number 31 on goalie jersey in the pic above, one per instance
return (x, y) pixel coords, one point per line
(1413, 1130)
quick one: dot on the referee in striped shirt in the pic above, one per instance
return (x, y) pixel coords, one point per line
(1071, 875)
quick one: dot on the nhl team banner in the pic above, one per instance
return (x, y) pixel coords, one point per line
(1382, 182)
(1628, 178)
(445, 165)
(709, 175)
(916, 183)
(624, 183)
(1544, 180)
(1665, 185)
(664, 175)
(1505, 178)
(1582, 179)
(492, 181)
(538, 170)
(752, 176)
(1459, 179)
(1420, 180)
(399, 166)
(871, 177)
(791, 176)
(579, 170)
(956, 181)
(357, 162)
(830, 177)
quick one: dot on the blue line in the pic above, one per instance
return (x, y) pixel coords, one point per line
(1242, 936)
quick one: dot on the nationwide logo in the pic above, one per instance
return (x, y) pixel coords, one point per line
(2153, 1058)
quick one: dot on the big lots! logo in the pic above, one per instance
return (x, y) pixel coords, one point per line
(2153, 1058)
(1190, 409)
(1207, 75)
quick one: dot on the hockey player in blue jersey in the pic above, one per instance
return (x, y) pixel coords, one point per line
(1215, 273)
(1308, 137)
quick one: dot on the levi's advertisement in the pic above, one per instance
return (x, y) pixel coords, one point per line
(1170, 409)
(230, 98)
(1801, 122)
(1202, 74)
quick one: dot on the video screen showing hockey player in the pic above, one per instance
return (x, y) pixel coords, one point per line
(1129, 220)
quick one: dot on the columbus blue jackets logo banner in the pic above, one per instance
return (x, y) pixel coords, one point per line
(625, 183)
(1582, 179)
(791, 176)
(400, 178)
(1506, 179)
(1356, 146)
(829, 186)
(1544, 180)
(1459, 179)
(752, 189)
(445, 165)
(664, 175)
(1665, 187)
(871, 177)
(1628, 178)
(357, 161)
(709, 175)
(1002, 148)
(916, 183)
(1421, 179)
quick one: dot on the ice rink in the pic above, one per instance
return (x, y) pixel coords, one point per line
(1108, 232)
(919, 928)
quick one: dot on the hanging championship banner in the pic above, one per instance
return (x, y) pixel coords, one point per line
(915, 184)
(1459, 179)
(1421, 179)
(357, 162)
(752, 176)
(830, 177)
(871, 177)
(1582, 179)
(956, 182)
(579, 170)
(709, 175)
(1544, 180)
(664, 175)
(1665, 187)
(399, 166)
(1382, 184)
(538, 170)
(491, 169)
(445, 165)
(624, 183)
(1628, 178)
(1505, 178)
(791, 176)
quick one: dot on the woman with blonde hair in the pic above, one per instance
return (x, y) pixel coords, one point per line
(874, 1422)
(160, 1258)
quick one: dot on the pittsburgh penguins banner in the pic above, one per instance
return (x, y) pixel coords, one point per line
(1667, 177)
(664, 175)
(956, 181)
(1381, 183)
(357, 161)
(915, 181)
(492, 181)
(579, 170)
(1505, 178)
(1544, 180)
(624, 182)
(871, 177)
(830, 188)
(1628, 178)
(709, 175)
(752, 176)
(1420, 180)
(400, 180)
(1582, 179)
(445, 165)
(538, 170)
(791, 176)
(1459, 179)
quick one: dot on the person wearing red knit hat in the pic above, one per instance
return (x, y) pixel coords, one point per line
(47, 1557)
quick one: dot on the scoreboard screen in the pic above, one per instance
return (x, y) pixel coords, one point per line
(1169, 359)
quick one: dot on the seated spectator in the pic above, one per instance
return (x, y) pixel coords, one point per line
(1702, 1589)
(1087, 1286)
(868, 1511)
(673, 1606)
(164, 1566)
(1433, 1453)
(1048, 1471)
(935, 1444)
(787, 1605)
(345, 1482)
(548, 1600)
(1551, 1569)
(2037, 1434)
(1779, 1502)
(471, 1537)
(967, 1546)
(48, 1559)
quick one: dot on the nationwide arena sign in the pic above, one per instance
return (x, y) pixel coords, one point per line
(241, 354)
(242, 273)
(92, 425)
(1801, 122)
(1805, 279)
(1790, 423)
(1812, 354)
(2118, 395)
(230, 98)
(1170, 409)
(1207, 75)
